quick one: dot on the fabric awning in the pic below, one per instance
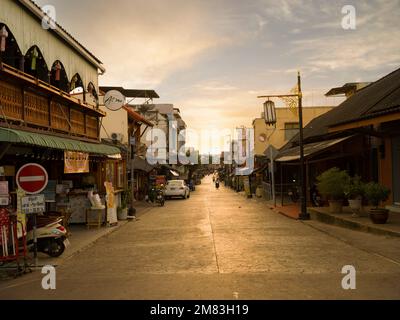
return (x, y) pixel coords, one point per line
(141, 164)
(54, 142)
(309, 149)
(174, 173)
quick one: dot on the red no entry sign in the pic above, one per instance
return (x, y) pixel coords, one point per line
(32, 178)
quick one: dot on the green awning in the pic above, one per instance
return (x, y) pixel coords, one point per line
(54, 142)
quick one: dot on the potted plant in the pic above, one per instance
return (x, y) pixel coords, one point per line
(376, 194)
(123, 213)
(331, 184)
(354, 192)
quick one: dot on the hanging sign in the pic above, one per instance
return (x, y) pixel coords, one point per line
(33, 204)
(4, 188)
(32, 178)
(76, 162)
(114, 100)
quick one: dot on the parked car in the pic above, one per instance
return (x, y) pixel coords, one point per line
(177, 188)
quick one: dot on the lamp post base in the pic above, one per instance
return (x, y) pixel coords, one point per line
(304, 216)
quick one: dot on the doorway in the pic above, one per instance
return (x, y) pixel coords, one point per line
(396, 170)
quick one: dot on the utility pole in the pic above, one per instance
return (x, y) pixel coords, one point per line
(303, 196)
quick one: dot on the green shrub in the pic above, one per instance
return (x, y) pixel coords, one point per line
(332, 182)
(354, 189)
(376, 193)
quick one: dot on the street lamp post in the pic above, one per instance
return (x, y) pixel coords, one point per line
(303, 194)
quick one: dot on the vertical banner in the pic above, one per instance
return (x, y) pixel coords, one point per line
(76, 162)
(20, 216)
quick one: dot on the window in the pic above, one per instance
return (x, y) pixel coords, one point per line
(291, 129)
(120, 175)
(110, 172)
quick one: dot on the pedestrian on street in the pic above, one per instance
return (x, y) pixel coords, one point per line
(217, 183)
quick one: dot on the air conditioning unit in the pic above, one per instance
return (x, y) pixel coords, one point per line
(117, 136)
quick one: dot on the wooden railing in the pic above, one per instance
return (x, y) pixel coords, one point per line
(33, 109)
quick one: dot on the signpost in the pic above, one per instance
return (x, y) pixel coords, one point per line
(32, 178)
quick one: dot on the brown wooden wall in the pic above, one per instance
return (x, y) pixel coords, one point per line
(33, 109)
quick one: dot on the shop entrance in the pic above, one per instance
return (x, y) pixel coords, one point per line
(396, 170)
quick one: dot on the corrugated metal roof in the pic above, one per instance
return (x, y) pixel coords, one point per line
(137, 117)
(382, 96)
(309, 149)
(54, 142)
(132, 93)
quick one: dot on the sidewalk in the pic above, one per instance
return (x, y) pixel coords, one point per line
(291, 210)
(362, 223)
(82, 238)
(344, 220)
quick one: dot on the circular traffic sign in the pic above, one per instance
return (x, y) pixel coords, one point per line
(114, 100)
(32, 178)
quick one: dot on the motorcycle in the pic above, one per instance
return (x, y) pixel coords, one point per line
(160, 198)
(51, 236)
(157, 196)
(294, 192)
(316, 198)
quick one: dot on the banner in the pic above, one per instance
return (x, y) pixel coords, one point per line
(76, 162)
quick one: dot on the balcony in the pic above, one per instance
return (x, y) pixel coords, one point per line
(31, 103)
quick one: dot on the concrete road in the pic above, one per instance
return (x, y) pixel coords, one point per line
(219, 245)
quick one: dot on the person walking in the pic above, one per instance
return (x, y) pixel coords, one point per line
(217, 183)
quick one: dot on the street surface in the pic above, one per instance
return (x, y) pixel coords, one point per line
(220, 245)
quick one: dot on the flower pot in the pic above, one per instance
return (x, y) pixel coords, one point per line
(123, 214)
(355, 205)
(335, 206)
(379, 215)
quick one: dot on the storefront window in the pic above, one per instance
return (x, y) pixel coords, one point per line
(120, 175)
(110, 172)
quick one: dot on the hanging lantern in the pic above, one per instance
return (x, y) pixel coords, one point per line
(269, 113)
(3, 38)
(35, 55)
(57, 68)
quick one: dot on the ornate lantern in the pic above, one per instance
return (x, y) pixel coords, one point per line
(269, 113)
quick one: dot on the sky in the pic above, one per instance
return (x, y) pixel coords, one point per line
(212, 58)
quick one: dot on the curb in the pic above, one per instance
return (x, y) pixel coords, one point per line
(353, 225)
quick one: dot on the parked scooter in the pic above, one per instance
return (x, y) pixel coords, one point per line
(160, 198)
(316, 198)
(51, 236)
(294, 192)
(156, 195)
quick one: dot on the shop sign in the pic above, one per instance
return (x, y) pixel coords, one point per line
(3, 188)
(4, 200)
(114, 100)
(32, 178)
(76, 162)
(33, 204)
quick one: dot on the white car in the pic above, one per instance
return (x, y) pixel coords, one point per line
(177, 188)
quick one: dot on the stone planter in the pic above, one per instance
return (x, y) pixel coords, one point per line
(355, 205)
(335, 206)
(379, 215)
(123, 214)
